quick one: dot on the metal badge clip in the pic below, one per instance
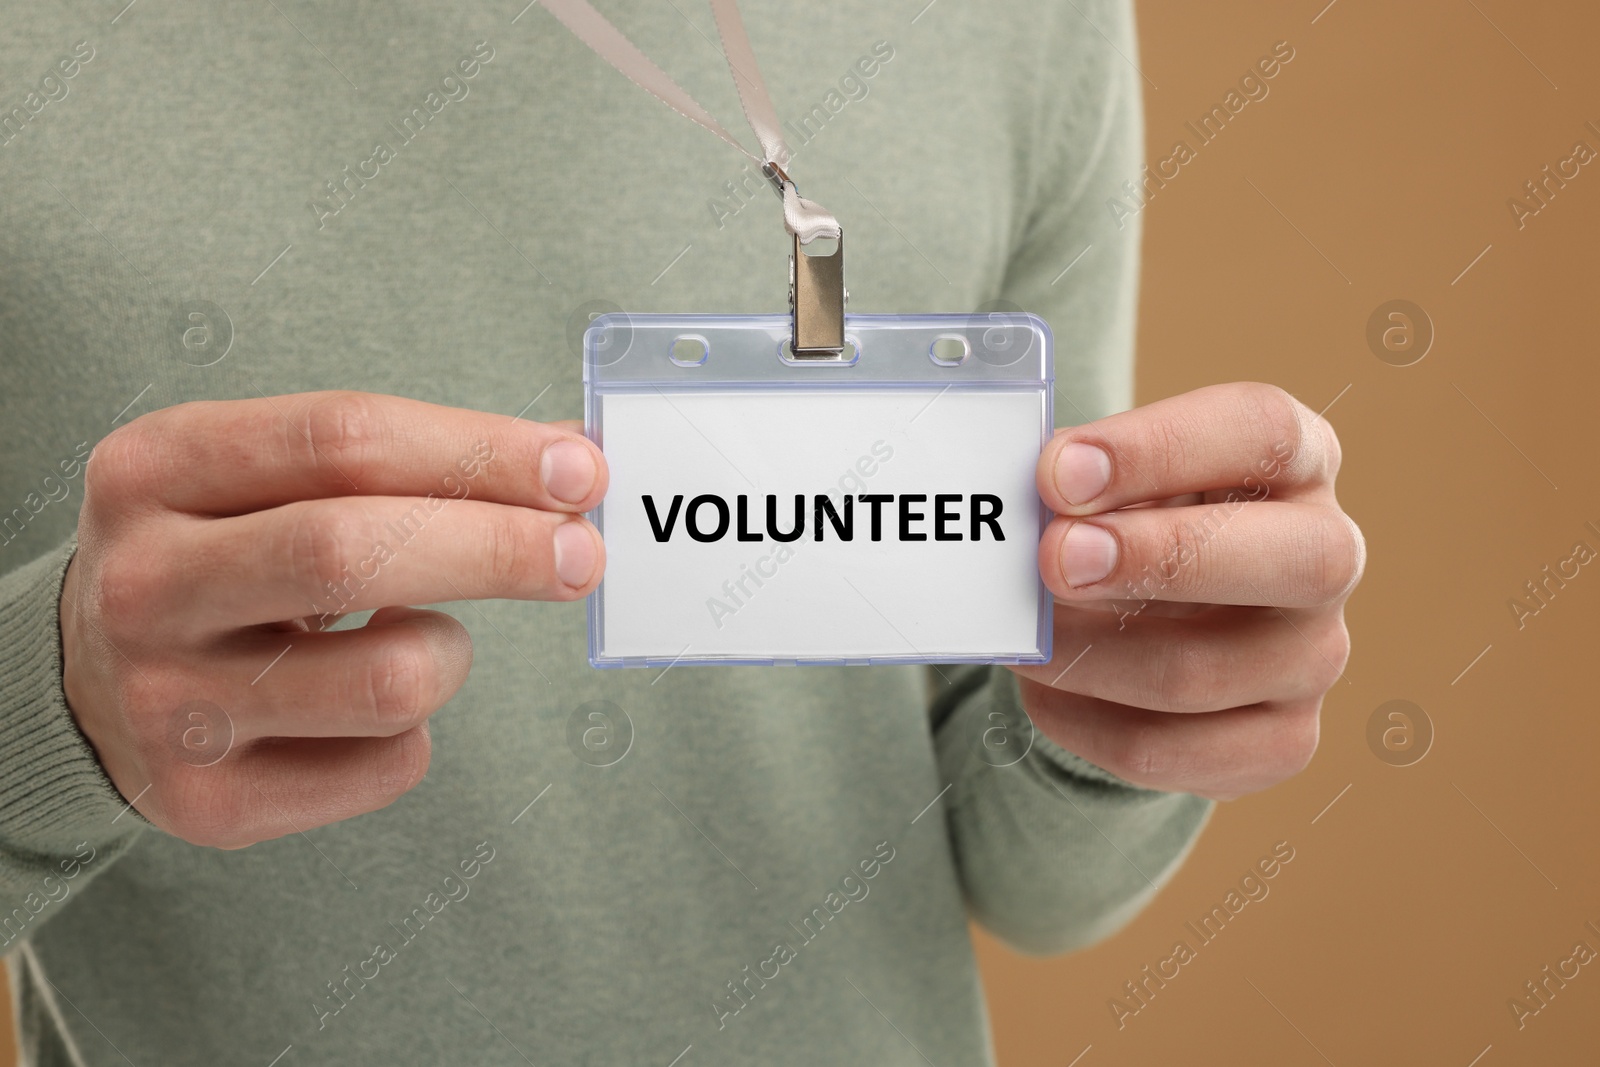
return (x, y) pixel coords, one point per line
(816, 289)
(816, 300)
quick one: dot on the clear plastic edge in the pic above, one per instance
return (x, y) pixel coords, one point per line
(593, 391)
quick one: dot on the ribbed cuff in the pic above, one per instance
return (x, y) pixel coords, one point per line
(53, 793)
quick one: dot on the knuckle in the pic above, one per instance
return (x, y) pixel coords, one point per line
(405, 765)
(1333, 653)
(518, 557)
(1179, 545)
(126, 586)
(1279, 409)
(343, 432)
(507, 548)
(147, 709)
(1342, 556)
(122, 465)
(1188, 677)
(203, 808)
(1339, 653)
(1334, 451)
(399, 683)
(319, 549)
(1297, 739)
(1144, 755)
(1169, 443)
(1358, 548)
(1271, 408)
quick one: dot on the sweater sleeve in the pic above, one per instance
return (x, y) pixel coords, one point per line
(1055, 852)
(61, 820)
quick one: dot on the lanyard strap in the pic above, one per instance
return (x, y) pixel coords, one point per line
(805, 219)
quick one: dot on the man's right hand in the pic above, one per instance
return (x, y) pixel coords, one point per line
(219, 540)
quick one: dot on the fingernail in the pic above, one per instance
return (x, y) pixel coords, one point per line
(1088, 554)
(575, 554)
(1082, 473)
(567, 470)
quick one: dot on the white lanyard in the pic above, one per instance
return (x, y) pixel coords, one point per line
(816, 291)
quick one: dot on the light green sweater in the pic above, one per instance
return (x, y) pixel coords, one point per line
(780, 869)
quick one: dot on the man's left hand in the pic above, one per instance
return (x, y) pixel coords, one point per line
(1200, 565)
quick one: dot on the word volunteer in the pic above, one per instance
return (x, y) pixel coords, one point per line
(905, 509)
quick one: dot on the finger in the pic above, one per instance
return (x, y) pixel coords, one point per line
(1282, 554)
(1247, 436)
(1227, 658)
(337, 556)
(237, 456)
(1220, 754)
(279, 787)
(376, 680)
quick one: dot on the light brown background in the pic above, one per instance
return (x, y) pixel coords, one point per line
(1419, 903)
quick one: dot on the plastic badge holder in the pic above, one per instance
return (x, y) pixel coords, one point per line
(920, 444)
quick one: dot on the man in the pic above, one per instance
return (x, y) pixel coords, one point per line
(303, 278)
